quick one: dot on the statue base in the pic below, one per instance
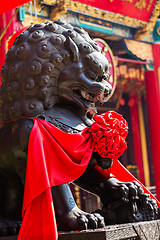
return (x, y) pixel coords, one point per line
(149, 230)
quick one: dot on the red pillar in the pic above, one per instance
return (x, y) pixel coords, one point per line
(14, 26)
(153, 101)
(137, 138)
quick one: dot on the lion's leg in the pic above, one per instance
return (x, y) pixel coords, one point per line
(11, 197)
(121, 201)
(11, 187)
(68, 215)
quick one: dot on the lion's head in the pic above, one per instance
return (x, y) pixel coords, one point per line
(53, 63)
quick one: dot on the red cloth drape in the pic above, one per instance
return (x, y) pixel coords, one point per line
(54, 158)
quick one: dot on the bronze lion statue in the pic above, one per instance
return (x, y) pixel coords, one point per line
(56, 72)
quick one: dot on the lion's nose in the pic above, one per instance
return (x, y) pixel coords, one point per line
(108, 89)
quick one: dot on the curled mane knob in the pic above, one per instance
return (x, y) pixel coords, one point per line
(51, 27)
(44, 80)
(36, 36)
(44, 49)
(35, 67)
(22, 51)
(85, 48)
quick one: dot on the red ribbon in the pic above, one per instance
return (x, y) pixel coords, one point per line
(54, 158)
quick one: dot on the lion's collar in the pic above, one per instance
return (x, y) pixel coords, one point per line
(63, 123)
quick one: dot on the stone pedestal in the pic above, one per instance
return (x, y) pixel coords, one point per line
(131, 231)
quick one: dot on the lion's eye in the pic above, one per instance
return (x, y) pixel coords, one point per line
(107, 68)
(105, 76)
(91, 74)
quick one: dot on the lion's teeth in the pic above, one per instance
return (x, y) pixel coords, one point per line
(88, 97)
(83, 93)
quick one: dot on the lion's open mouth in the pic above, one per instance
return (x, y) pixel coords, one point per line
(87, 97)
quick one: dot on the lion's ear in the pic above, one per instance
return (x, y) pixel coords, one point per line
(72, 47)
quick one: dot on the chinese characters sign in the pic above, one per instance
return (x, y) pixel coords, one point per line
(138, 9)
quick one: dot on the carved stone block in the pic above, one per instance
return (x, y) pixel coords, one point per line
(130, 231)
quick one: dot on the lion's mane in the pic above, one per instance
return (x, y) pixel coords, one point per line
(34, 63)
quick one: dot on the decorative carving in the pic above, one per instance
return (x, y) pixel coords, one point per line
(151, 24)
(58, 9)
(140, 50)
(105, 15)
(158, 30)
(140, 4)
(135, 231)
(149, 230)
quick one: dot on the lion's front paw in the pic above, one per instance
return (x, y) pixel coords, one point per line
(76, 219)
(9, 227)
(148, 207)
(126, 202)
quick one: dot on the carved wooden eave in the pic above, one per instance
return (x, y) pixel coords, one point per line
(151, 24)
(98, 13)
(58, 7)
(141, 50)
(97, 21)
(104, 15)
(141, 27)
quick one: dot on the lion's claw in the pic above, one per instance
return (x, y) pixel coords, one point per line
(82, 222)
(100, 220)
(79, 220)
